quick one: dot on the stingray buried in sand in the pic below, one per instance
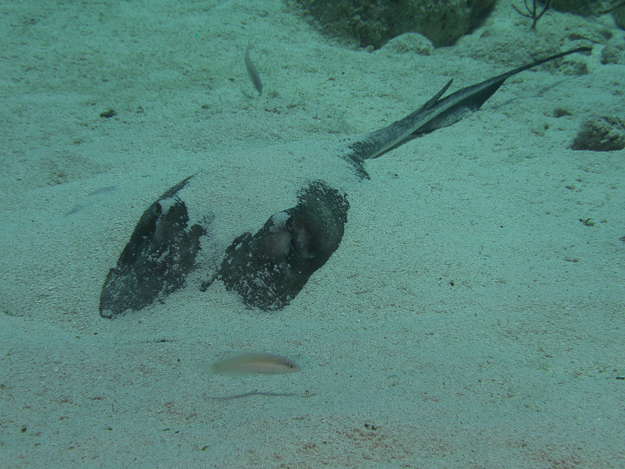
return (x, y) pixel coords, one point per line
(265, 240)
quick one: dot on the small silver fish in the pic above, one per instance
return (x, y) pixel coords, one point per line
(250, 363)
(251, 70)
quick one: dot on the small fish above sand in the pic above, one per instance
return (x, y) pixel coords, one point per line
(251, 363)
(252, 72)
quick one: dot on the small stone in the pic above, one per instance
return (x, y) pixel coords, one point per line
(108, 113)
(600, 134)
(410, 43)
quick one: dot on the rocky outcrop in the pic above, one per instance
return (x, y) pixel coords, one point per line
(373, 23)
(600, 134)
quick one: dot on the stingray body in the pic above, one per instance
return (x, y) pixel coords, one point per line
(265, 239)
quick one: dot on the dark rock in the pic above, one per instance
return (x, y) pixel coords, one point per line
(619, 16)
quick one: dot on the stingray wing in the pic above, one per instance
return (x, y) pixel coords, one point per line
(161, 252)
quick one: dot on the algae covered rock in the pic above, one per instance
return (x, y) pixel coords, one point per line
(601, 133)
(583, 7)
(373, 23)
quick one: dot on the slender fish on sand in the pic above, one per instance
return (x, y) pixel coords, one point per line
(250, 363)
(252, 72)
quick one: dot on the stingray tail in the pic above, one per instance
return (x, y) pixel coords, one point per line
(437, 113)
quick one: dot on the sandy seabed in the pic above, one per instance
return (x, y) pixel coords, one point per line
(469, 319)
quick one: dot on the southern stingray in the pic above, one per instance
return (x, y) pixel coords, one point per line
(295, 209)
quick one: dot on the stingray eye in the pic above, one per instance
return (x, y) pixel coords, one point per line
(290, 225)
(303, 238)
(158, 210)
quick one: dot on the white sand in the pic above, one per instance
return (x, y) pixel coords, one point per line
(515, 365)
